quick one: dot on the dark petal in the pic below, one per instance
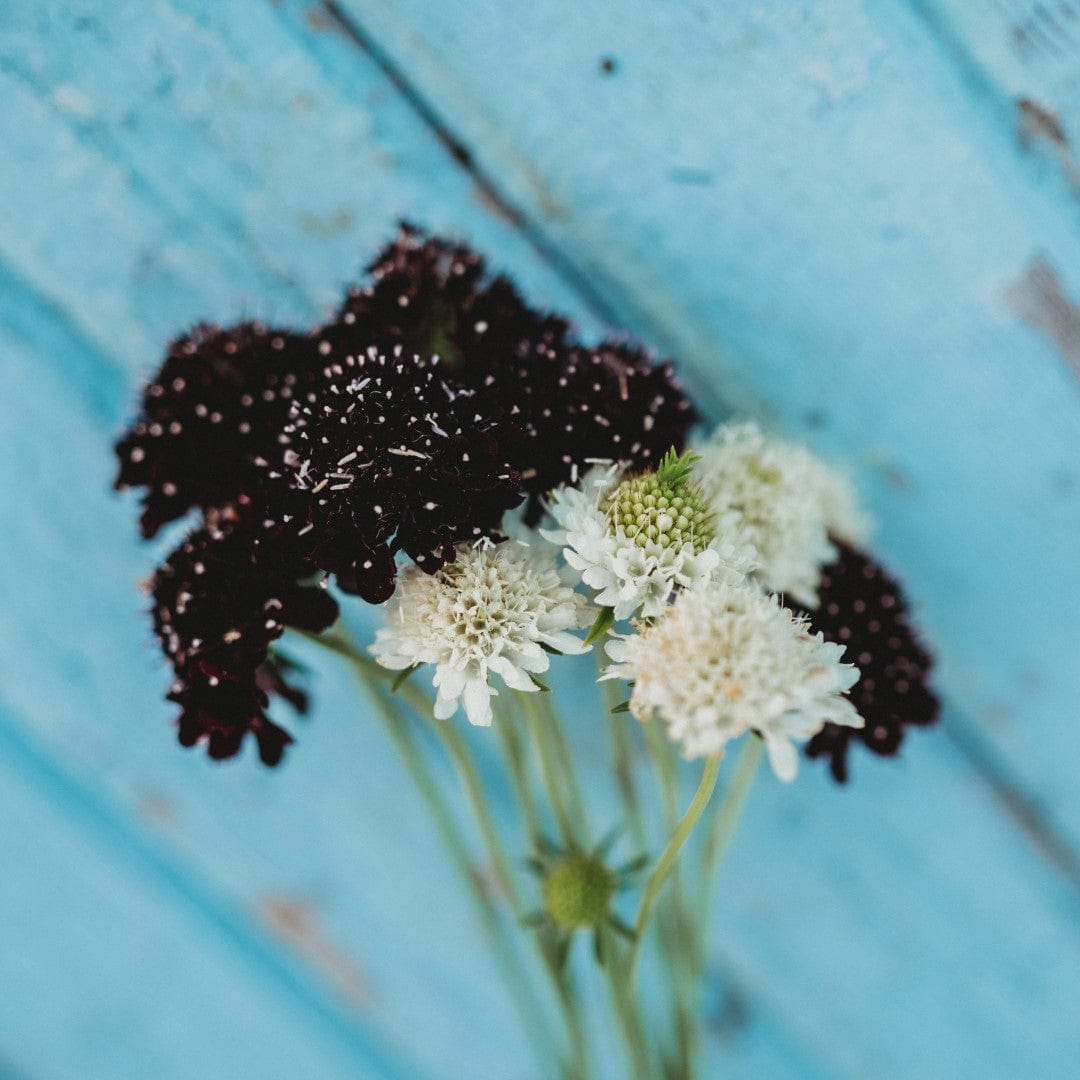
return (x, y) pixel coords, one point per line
(218, 403)
(220, 599)
(862, 608)
(391, 455)
(272, 742)
(273, 676)
(568, 405)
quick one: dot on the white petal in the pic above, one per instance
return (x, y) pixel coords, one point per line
(782, 756)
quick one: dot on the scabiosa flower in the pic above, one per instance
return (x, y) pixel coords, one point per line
(435, 298)
(392, 456)
(787, 501)
(571, 405)
(494, 610)
(863, 609)
(560, 404)
(726, 660)
(219, 401)
(578, 890)
(219, 600)
(635, 540)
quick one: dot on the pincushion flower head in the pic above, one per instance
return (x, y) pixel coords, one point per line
(635, 539)
(495, 610)
(726, 660)
(786, 502)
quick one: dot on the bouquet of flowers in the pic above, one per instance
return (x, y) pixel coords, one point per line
(511, 498)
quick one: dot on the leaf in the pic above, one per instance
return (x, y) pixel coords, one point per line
(634, 866)
(533, 919)
(536, 866)
(623, 706)
(547, 845)
(607, 842)
(400, 677)
(541, 686)
(605, 620)
(600, 946)
(550, 649)
(620, 927)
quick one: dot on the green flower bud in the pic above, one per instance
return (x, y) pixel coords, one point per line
(578, 891)
(663, 507)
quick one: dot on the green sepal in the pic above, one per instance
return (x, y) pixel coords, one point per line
(604, 622)
(400, 677)
(620, 927)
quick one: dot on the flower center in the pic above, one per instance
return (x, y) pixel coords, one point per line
(578, 891)
(663, 507)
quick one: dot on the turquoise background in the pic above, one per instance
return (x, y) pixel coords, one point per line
(858, 221)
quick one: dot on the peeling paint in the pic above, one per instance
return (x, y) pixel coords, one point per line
(293, 920)
(1036, 124)
(1039, 299)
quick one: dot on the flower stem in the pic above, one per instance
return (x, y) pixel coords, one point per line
(722, 826)
(630, 1026)
(506, 956)
(576, 805)
(474, 792)
(669, 856)
(622, 759)
(510, 737)
(540, 727)
(367, 670)
(679, 934)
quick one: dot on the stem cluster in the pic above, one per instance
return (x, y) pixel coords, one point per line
(543, 778)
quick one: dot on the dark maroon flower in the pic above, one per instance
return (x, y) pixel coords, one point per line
(390, 455)
(559, 404)
(219, 600)
(435, 298)
(862, 608)
(219, 401)
(570, 406)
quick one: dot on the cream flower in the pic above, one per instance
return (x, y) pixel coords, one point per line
(635, 540)
(489, 612)
(728, 659)
(787, 503)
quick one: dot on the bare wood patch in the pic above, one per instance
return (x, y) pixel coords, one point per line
(1039, 299)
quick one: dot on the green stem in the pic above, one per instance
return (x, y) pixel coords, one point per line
(622, 761)
(630, 1026)
(505, 955)
(567, 771)
(513, 751)
(669, 856)
(679, 933)
(724, 822)
(540, 727)
(474, 792)
(366, 668)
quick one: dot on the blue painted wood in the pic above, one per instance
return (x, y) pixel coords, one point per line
(830, 220)
(208, 159)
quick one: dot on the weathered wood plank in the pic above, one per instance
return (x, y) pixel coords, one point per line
(815, 209)
(330, 835)
(113, 968)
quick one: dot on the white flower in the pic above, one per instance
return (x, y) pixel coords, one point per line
(787, 503)
(635, 540)
(489, 612)
(728, 659)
